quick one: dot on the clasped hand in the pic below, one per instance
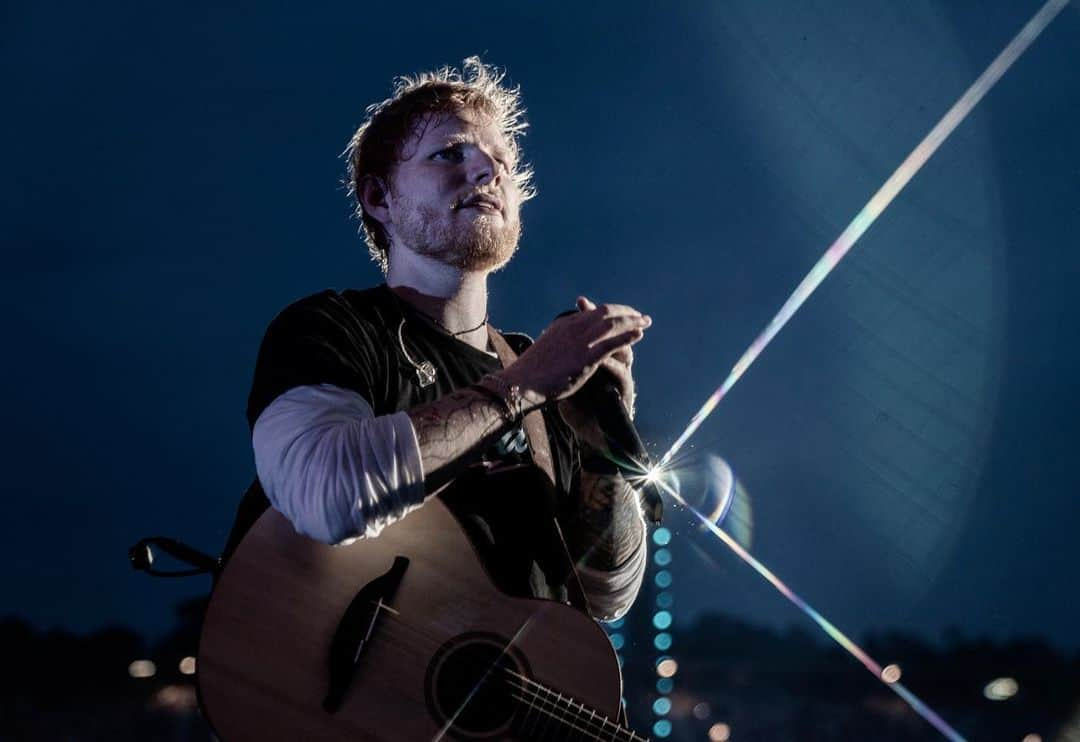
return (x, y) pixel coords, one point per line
(570, 351)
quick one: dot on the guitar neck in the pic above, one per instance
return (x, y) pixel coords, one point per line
(548, 714)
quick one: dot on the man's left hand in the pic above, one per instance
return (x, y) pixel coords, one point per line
(582, 419)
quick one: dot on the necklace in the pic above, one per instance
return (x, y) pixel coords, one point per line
(425, 371)
(447, 330)
(401, 307)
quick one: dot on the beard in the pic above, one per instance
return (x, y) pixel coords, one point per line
(469, 240)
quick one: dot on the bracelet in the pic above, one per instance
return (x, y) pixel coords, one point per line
(507, 393)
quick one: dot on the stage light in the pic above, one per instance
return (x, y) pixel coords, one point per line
(663, 578)
(1031, 738)
(891, 673)
(667, 667)
(187, 666)
(1001, 689)
(664, 685)
(662, 557)
(701, 711)
(664, 600)
(662, 641)
(662, 728)
(661, 620)
(617, 640)
(661, 706)
(719, 733)
(142, 669)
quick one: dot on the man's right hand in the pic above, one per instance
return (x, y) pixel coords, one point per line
(571, 349)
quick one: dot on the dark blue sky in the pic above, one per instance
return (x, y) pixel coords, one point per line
(909, 441)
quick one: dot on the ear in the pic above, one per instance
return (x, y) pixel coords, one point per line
(375, 195)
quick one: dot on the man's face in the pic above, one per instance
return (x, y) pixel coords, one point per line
(453, 195)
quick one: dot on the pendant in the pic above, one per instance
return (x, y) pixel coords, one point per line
(425, 374)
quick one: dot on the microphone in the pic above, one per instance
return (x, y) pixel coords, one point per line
(601, 395)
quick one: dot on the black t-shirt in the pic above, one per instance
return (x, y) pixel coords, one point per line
(363, 341)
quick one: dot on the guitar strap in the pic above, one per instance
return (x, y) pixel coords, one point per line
(540, 446)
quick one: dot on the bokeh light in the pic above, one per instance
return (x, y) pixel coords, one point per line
(1001, 689)
(142, 669)
(719, 733)
(661, 536)
(891, 673)
(667, 667)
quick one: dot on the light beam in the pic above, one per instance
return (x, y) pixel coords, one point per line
(873, 209)
(834, 633)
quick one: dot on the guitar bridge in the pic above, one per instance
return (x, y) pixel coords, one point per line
(355, 629)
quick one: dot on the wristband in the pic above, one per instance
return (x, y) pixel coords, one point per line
(507, 393)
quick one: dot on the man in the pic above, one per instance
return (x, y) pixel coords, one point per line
(365, 403)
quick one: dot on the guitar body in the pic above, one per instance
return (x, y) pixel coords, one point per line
(265, 652)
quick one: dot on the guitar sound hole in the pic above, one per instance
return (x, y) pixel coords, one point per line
(469, 680)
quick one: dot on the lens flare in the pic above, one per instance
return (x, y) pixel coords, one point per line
(873, 209)
(834, 633)
(726, 500)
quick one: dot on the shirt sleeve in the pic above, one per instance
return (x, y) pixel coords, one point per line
(612, 592)
(333, 468)
(317, 340)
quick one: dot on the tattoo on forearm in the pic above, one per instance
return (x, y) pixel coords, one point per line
(608, 528)
(453, 430)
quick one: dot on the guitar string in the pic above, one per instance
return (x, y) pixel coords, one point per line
(541, 687)
(589, 728)
(564, 723)
(394, 638)
(561, 718)
(581, 708)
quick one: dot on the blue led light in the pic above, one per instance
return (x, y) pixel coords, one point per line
(662, 641)
(662, 728)
(662, 557)
(661, 706)
(664, 600)
(617, 624)
(664, 685)
(661, 537)
(663, 578)
(661, 620)
(617, 640)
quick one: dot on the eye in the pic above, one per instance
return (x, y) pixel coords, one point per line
(452, 153)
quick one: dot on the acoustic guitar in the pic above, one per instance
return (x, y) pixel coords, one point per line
(399, 637)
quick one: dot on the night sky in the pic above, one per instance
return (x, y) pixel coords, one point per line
(909, 442)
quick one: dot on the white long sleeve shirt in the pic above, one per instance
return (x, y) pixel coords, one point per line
(337, 471)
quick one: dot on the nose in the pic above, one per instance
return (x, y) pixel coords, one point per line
(481, 167)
